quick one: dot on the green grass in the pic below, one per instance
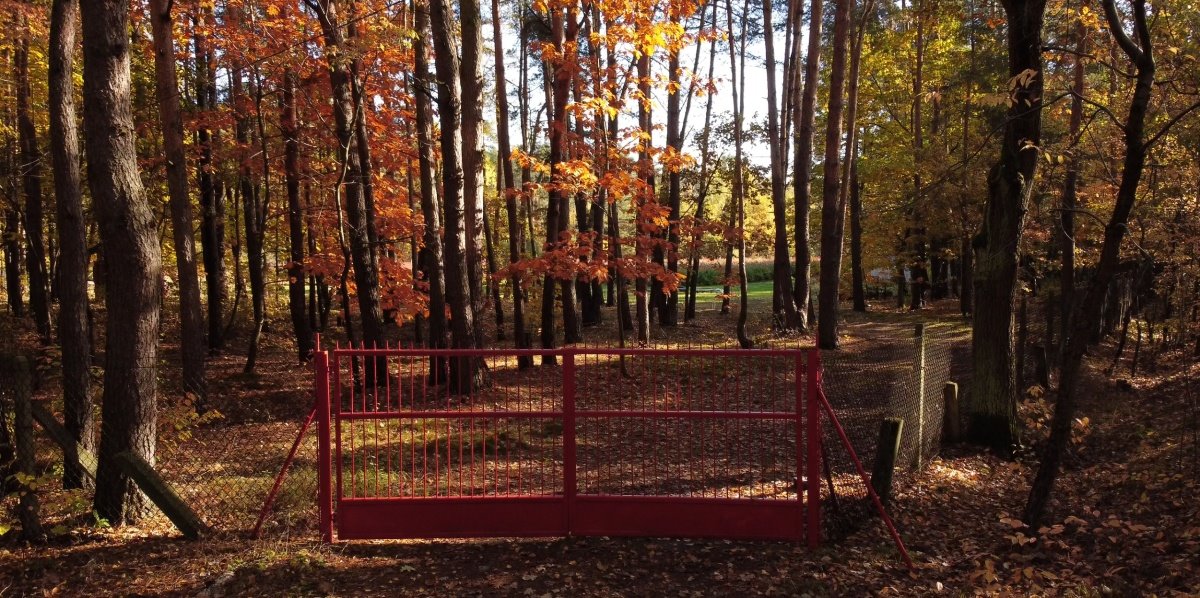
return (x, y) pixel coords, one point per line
(755, 290)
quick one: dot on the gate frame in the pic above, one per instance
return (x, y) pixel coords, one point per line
(646, 513)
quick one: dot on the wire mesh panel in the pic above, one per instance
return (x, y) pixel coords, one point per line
(443, 443)
(696, 443)
(413, 457)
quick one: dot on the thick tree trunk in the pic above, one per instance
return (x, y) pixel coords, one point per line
(832, 206)
(73, 332)
(130, 240)
(291, 171)
(465, 373)
(31, 180)
(991, 409)
(191, 314)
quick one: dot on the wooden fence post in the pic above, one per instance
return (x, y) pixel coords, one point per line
(918, 457)
(950, 415)
(886, 452)
(28, 509)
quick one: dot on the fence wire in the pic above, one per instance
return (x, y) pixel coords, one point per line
(222, 459)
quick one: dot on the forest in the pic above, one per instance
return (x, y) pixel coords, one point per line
(202, 199)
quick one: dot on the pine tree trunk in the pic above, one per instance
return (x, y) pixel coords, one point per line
(805, 129)
(130, 240)
(431, 251)
(832, 207)
(191, 314)
(782, 300)
(290, 126)
(465, 374)
(471, 22)
(31, 179)
(212, 205)
(510, 191)
(73, 332)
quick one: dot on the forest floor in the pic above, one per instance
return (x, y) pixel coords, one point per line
(1124, 521)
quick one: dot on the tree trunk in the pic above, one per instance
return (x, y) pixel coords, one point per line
(191, 314)
(471, 22)
(366, 275)
(991, 408)
(510, 191)
(127, 231)
(431, 252)
(73, 333)
(1140, 53)
(465, 375)
(805, 129)
(31, 179)
(858, 276)
(689, 310)
(739, 195)
(212, 205)
(782, 301)
(646, 195)
(290, 126)
(1066, 232)
(832, 207)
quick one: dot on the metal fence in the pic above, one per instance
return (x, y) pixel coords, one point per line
(223, 460)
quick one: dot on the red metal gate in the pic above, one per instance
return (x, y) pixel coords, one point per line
(641, 442)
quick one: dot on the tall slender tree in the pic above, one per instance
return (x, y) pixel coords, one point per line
(74, 334)
(191, 314)
(465, 373)
(832, 206)
(31, 182)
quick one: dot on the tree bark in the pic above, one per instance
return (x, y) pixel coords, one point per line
(471, 21)
(782, 300)
(464, 371)
(130, 241)
(31, 180)
(832, 206)
(431, 251)
(366, 275)
(858, 276)
(1088, 314)
(290, 126)
(212, 205)
(191, 314)
(991, 408)
(802, 183)
(510, 191)
(73, 332)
